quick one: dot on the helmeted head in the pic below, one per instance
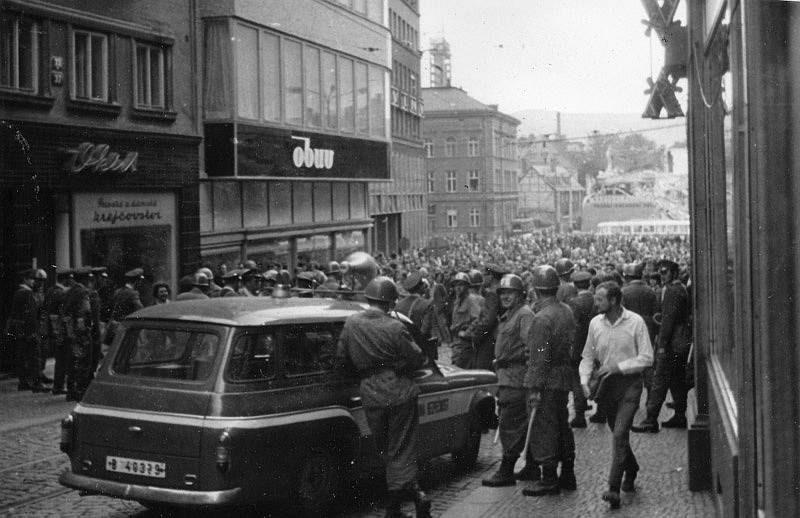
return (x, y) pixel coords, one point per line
(475, 278)
(361, 269)
(207, 272)
(333, 268)
(564, 268)
(511, 290)
(545, 278)
(381, 291)
(199, 280)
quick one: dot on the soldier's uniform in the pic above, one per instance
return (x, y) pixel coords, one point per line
(420, 311)
(582, 306)
(466, 311)
(381, 351)
(77, 324)
(486, 327)
(54, 307)
(126, 300)
(25, 329)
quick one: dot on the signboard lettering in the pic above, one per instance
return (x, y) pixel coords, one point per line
(96, 158)
(307, 156)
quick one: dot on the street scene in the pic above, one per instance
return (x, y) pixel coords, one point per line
(431, 258)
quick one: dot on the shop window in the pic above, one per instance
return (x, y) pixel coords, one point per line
(270, 76)
(254, 195)
(330, 92)
(247, 71)
(358, 209)
(151, 76)
(280, 203)
(301, 209)
(269, 253)
(322, 201)
(341, 201)
(227, 206)
(347, 114)
(293, 81)
(348, 242)
(451, 181)
(89, 65)
(311, 64)
(377, 101)
(19, 53)
(206, 207)
(314, 248)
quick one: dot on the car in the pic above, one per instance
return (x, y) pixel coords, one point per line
(236, 401)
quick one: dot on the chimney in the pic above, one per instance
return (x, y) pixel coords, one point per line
(558, 123)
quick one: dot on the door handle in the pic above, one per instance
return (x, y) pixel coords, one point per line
(135, 429)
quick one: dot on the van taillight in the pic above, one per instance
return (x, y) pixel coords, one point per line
(67, 427)
(223, 452)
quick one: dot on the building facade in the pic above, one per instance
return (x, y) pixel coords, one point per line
(398, 208)
(296, 123)
(550, 195)
(100, 138)
(471, 163)
(436, 64)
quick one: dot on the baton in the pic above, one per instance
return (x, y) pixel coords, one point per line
(528, 435)
(497, 413)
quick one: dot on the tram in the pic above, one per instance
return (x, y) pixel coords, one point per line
(646, 227)
(744, 156)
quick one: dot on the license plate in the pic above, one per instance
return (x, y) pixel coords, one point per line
(144, 468)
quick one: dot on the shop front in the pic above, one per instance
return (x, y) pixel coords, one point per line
(82, 196)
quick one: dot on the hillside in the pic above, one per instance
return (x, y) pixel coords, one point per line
(577, 125)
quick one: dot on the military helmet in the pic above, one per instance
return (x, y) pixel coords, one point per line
(630, 270)
(545, 277)
(270, 276)
(564, 266)
(475, 277)
(461, 278)
(333, 267)
(382, 289)
(511, 281)
(199, 279)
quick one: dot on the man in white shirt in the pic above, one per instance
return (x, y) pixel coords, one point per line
(619, 343)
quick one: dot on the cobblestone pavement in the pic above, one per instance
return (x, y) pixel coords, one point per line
(31, 463)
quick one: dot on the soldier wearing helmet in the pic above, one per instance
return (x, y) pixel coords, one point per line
(380, 349)
(513, 335)
(583, 311)
(566, 290)
(251, 281)
(486, 327)
(23, 325)
(638, 297)
(420, 311)
(548, 379)
(214, 290)
(466, 310)
(199, 283)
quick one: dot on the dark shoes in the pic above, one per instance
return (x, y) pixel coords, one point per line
(646, 426)
(670, 404)
(530, 472)
(578, 422)
(567, 481)
(38, 387)
(677, 421)
(541, 488)
(422, 504)
(612, 497)
(504, 475)
(59, 392)
(597, 418)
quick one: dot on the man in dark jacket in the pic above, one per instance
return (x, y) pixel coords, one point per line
(671, 352)
(583, 311)
(24, 327)
(640, 298)
(126, 300)
(419, 310)
(466, 311)
(511, 353)
(549, 379)
(379, 348)
(54, 305)
(486, 327)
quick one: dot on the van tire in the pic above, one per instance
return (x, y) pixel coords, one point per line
(466, 457)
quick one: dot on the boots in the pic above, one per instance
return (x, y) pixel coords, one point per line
(566, 480)
(394, 505)
(531, 472)
(422, 504)
(504, 475)
(548, 485)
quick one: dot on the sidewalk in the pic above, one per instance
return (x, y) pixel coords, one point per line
(661, 487)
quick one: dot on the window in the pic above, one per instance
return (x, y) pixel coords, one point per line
(247, 71)
(431, 183)
(90, 66)
(311, 63)
(472, 146)
(450, 147)
(270, 76)
(252, 358)
(452, 218)
(473, 180)
(19, 53)
(309, 349)
(293, 81)
(377, 101)
(362, 95)
(150, 76)
(330, 94)
(177, 354)
(474, 217)
(347, 120)
(451, 181)
(428, 148)
(432, 209)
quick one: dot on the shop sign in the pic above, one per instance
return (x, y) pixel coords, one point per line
(306, 156)
(97, 158)
(112, 210)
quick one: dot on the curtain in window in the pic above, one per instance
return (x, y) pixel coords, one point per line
(217, 85)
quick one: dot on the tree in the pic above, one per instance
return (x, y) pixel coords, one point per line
(634, 152)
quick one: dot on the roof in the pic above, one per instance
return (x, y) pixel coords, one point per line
(252, 311)
(452, 99)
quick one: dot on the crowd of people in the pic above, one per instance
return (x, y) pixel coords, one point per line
(550, 314)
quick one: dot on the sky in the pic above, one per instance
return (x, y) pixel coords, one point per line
(580, 56)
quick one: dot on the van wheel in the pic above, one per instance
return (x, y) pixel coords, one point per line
(317, 484)
(466, 457)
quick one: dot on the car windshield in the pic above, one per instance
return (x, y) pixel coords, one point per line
(178, 354)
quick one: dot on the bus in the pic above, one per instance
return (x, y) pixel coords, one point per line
(646, 227)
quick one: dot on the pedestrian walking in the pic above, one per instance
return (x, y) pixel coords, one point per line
(618, 341)
(379, 348)
(511, 354)
(548, 379)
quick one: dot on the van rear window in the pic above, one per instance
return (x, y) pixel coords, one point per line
(177, 354)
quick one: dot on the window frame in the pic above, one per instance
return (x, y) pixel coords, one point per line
(452, 218)
(450, 147)
(165, 54)
(475, 217)
(474, 176)
(283, 333)
(473, 147)
(428, 146)
(451, 183)
(106, 39)
(247, 334)
(14, 52)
